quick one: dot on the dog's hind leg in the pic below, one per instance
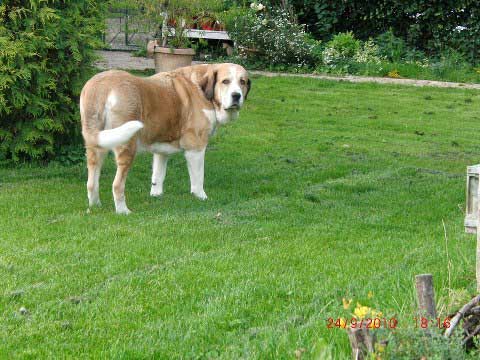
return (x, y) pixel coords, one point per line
(158, 173)
(95, 159)
(124, 156)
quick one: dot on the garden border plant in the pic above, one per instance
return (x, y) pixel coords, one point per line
(46, 54)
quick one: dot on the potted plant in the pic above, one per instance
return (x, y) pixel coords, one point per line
(174, 51)
(206, 21)
(175, 48)
(172, 20)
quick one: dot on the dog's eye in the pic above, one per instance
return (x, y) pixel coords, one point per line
(242, 82)
(226, 81)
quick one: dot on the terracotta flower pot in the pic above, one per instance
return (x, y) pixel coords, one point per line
(151, 45)
(219, 26)
(168, 59)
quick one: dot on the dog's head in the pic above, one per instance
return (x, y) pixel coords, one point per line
(225, 85)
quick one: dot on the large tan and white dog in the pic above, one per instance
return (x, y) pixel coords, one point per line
(164, 114)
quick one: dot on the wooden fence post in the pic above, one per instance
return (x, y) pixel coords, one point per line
(426, 295)
(472, 213)
(362, 342)
(478, 262)
(477, 266)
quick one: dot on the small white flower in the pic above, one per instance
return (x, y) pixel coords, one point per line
(460, 28)
(260, 7)
(253, 6)
(264, 22)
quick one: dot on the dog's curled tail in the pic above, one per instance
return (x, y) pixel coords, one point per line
(109, 139)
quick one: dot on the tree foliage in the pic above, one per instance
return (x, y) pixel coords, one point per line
(46, 55)
(430, 26)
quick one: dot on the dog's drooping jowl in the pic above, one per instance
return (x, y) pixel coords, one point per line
(164, 114)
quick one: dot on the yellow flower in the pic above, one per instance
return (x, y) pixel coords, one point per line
(370, 294)
(394, 74)
(379, 348)
(361, 311)
(346, 303)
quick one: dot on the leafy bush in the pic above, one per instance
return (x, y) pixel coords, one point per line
(466, 37)
(46, 55)
(404, 30)
(340, 51)
(449, 60)
(391, 47)
(421, 344)
(344, 53)
(453, 59)
(273, 36)
(368, 53)
(426, 25)
(316, 49)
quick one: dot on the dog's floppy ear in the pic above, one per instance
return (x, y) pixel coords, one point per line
(249, 85)
(207, 83)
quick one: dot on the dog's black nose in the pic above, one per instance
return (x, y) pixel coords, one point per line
(236, 96)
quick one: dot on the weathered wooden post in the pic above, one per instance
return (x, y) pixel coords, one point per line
(472, 213)
(426, 295)
(362, 342)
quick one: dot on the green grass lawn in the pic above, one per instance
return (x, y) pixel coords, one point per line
(320, 191)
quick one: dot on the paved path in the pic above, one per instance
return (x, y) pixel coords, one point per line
(122, 60)
(125, 60)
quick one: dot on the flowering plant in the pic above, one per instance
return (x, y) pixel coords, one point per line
(257, 7)
(171, 20)
(344, 51)
(272, 35)
(368, 53)
(360, 312)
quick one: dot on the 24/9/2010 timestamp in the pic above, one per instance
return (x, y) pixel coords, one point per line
(368, 323)
(392, 323)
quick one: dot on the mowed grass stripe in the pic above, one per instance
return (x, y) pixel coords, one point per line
(321, 190)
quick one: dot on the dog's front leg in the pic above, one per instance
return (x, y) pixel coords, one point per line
(195, 163)
(158, 174)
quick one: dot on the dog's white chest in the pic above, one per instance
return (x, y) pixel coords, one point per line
(212, 119)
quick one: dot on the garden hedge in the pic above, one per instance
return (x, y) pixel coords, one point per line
(431, 26)
(46, 55)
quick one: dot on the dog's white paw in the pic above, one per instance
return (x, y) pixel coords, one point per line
(123, 211)
(156, 192)
(94, 201)
(200, 195)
